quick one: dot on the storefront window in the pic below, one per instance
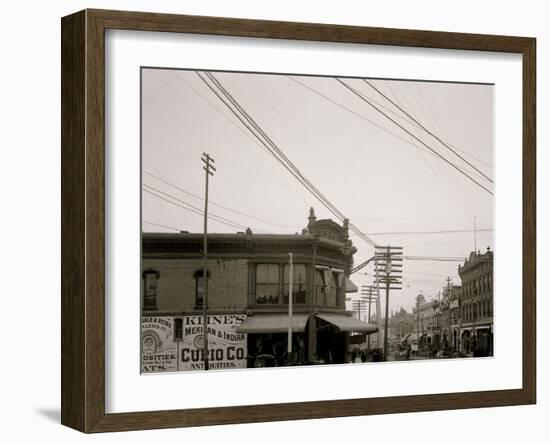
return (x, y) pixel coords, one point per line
(298, 284)
(267, 284)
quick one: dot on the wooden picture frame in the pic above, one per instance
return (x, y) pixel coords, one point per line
(83, 220)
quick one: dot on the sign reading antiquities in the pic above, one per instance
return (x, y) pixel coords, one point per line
(226, 347)
(175, 344)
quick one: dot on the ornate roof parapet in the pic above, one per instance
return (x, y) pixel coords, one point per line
(311, 218)
(476, 258)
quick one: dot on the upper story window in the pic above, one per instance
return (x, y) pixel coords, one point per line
(329, 286)
(150, 283)
(199, 287)
(298, 283)
(267, 284)
(339, 295)
(320, 287)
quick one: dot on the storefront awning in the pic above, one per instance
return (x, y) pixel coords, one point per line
(348, 324)
(272, 323)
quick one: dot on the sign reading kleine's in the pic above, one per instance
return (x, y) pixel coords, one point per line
(226, 347)
(158, 349)
(175, 344)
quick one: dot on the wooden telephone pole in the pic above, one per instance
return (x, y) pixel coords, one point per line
(389, 269)
(208, 168)
(369, 293)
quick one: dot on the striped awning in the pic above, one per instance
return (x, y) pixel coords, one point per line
(272, 323)
(346, 323)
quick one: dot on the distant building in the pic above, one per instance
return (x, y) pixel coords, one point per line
(451, 317)
(476, 304)
(401, 325)
(248, 296)
(428, 323)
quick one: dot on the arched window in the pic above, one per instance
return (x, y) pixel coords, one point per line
(150, 282)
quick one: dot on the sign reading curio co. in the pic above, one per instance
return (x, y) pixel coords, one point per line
(176, 343)
(226, 347)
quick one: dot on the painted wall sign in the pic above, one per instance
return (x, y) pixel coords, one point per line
(227, 348)
(158, 349)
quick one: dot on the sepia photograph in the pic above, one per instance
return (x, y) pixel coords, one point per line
(301, 220)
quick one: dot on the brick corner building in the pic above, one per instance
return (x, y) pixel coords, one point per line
(248, 283)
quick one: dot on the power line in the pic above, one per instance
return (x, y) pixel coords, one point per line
(303, 180)
(420, 217)
(272, 144)
(186, 206)
(161, 225)
(252, 127)
(440, 128)
(434, 258)
(162, 180)
(410, 133)
(429, 132)
(448, 181)
(431, 232)
(274, 150)
(362, 117)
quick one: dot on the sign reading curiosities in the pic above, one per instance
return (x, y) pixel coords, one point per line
(175, 343)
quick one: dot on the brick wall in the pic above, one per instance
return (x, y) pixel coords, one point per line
(227, 285)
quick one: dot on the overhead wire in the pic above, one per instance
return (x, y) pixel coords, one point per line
(451, 177)
(429, 132)
(360, 96)
(362, 117)
(238, 212)
(273, 149)
(449, 180)
(185, 205)
(441, 131)
(447, 185)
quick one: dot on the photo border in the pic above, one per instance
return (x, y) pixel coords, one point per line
(83, 219)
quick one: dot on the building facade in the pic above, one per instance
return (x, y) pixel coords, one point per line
(452, 316)
(429, 323)
(476, 304)
(248, 298)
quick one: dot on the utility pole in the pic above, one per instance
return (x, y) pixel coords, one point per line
(449, 308)
(290, 281)
(387, 264)
(368, 292)
(208, 168)
(417, 319)
(356, 306)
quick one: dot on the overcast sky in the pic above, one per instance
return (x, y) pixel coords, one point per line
(367, 166)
